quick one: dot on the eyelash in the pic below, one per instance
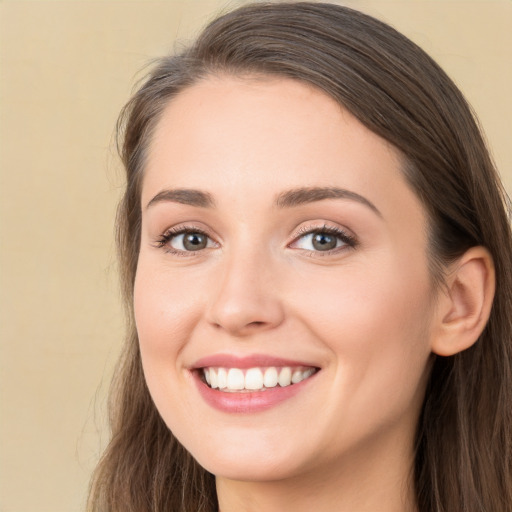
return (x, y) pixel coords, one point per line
(349, 240)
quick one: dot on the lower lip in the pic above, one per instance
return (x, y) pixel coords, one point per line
(249, 401)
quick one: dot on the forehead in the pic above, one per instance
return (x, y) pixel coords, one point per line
(266, 135)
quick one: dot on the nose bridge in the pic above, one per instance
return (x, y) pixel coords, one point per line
(246, 297)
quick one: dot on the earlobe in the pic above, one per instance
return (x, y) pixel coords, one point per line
(465, 304)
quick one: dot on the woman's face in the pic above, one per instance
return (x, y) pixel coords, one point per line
(280, 242)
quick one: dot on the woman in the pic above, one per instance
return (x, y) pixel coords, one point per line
(317, 266)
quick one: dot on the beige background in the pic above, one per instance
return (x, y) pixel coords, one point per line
(67, 67)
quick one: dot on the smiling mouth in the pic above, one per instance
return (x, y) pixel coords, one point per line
(236, 380)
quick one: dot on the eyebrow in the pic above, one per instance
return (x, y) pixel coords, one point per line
(184, 196)
(299, 196)
(288, 199)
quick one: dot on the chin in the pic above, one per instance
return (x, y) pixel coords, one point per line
(248, 461)
(262, 470)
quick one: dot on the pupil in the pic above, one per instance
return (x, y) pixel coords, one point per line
(194, 241)
(324, 241)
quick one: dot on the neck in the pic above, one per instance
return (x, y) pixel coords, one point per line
(376, 478)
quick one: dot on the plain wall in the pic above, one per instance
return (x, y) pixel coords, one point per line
(66, 69)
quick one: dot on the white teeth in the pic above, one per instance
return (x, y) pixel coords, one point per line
(254, 379)
(270, 379)
(213, 378)
(308, 373)
(222, 378)
(297, 376)
(235, 379)
(285, 377)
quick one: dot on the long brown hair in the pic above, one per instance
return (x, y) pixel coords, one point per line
(463, 458)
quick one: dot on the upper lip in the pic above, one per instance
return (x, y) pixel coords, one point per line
(250, 361)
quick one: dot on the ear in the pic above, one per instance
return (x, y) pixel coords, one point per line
(464, 305)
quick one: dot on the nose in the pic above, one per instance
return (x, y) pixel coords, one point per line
(246, 300)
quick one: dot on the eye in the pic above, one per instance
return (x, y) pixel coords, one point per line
(189, 242)
(183, 240)
(324, 239)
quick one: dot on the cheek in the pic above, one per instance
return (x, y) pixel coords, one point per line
(165, 312)
(376, 322)
(381, 298)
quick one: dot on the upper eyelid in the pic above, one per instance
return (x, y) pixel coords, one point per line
(333, 228)
(187, 228)
(301, 231)
(304, 230)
